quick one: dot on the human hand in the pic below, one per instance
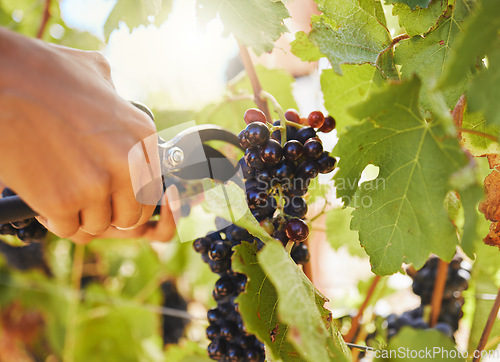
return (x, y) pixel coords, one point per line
(66, 135)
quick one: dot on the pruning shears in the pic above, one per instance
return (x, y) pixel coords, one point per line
(186, 156)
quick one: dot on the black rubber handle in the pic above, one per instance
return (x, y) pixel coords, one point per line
(12, 209)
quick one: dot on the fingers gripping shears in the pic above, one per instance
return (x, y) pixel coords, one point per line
(186, 156)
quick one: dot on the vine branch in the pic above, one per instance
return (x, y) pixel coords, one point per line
(254, 80)
(45, 19)
(349, 337)
(437, 293)
(487, 328)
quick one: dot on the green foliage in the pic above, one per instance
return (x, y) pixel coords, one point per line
(426, 56)
(301, 307)
(342, 92)
(256, 23)
(137, 12)
(413, 4)
(478, 145)
(484, 92)
(429, 343)
(338, 232)
(257, 305)
(228, 113)
(399, 215)
(479, 38)
(421, 20)
(339, 37)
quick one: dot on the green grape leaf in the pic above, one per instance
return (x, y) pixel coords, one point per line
(478, 145)
(339, 37)
(374, 7)
(257, 305)
(301, 306)
(400, 215)
(342, 92)
(418, 344)
(413, 4)
(256, 23)
(340, 235)
(304, 48)
(137, 12)
(480, 34)
(427, 56)
(484, 92)
(421, 20)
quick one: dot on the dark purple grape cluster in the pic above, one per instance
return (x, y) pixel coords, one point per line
(278, 176)
(26, 230)
(423, 286)
(275, 177)
(229, 338)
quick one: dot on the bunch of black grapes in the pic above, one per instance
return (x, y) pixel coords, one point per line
(423, 286)
(27, 230)
(276, 179)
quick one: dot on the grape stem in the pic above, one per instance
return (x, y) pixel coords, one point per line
(268, 96)
(437, 293)
(45, 19)
(349, 337)
(487, 328)
(280, 201)
(254, 80)
(322, 212)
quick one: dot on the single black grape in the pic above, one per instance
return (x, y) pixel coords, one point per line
(225, 286)
(326, 163)
(304, 134)
(256, 198)
(271, 152)
(313, 148)
(213, 332)
(228, 330)
(252, 158)
(296, 206)
(307, 170)
(219, 250)
(297, 230)
(201, 245)
(234, 353)
(328, 125)
(293, 150)
(217, 349)
(213, 315)
(33, 232)
(300, 253)
(256, 133)
(220, 266)
(283, 171)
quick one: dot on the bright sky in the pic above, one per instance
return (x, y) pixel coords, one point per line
(178, 66)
